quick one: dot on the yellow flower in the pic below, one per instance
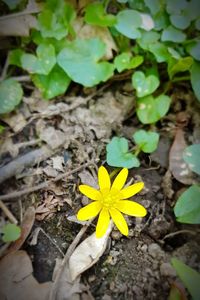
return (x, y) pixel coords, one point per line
(109, 202)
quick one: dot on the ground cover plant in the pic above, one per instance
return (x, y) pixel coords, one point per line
(91, 91)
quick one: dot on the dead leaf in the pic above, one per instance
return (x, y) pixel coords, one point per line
(26, 226)
(17, 281)
(8, 146)
(50, 172)
(58, 162)
(87, 178)
(53, 137)
(88, 253)
(177, 165)
(15, 120)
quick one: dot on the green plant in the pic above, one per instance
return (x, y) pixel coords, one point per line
(11, 232)
(118, 154)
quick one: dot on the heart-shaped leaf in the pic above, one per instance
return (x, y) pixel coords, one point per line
(128, 22)
(42, 63)
(194, 50)
(191, 157)
(171, 34)
(53, 84)
(144, 85)
(189, 276)
(10, 95)
(187, 208)
(95, 15)
(195, 78)
(11, 232)
(80, 60)
(150, 110)
(118, 155)
(182, 65)
(146, 140)
(124, 61)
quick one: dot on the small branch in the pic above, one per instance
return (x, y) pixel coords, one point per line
(43, 185)
(172, 234)
(5, 69)
(8, 213)
(24, 78)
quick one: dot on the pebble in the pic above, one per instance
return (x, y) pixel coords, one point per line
(166, 269)
(144, 248)
(155, 251)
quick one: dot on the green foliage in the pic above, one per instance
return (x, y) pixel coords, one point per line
(125, 61)
(189, 276)
(10, 95)
(118, 154)
(80, 60)
(144, 85)
(11, 232)
(95, 14)
(195, 78)
(187, 208)
(191, 157)
(12, 4)
(150, 110)
(128, 22)
(147, 141)
(181, 65)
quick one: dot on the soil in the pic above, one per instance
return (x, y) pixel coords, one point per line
(137, 267)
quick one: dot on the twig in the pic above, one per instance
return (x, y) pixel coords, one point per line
(172, 234)
(43, 185)
(5, 68)
(8, 213)
(70, 250)
(23, 78)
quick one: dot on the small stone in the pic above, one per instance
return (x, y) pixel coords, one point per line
(155, 251)
(144, 248)
(106, 297)
(166, 269)
(116, 235)
(91, 278)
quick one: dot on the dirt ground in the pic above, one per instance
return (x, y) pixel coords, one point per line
(73, 131)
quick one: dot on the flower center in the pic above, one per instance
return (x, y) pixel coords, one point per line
(109, 198)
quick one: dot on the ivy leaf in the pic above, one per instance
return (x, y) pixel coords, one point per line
(56, 21)
(80, 60)
(128, 22)
(189, 277)
(171, 34)
(195, 78)
(125, 61)
(150, 110)
(95, 15)
(10, 95)
(53, 84)
(15, 57)
(42, 63)
(182, 65)
(118, 155)
(146, 140)
(194, 50)
(187, 208)
(11, 232)
(144, 85)
(191, 157)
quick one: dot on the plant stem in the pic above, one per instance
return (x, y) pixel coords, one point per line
(181, 78)
(114, 172)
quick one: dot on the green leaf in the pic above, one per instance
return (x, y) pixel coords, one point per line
(180, 21)
(56, 21)
(118, 155)
(125, 61)
(144, 85)
(153, 5)
(189, 276)
(197, 24)
(150, 110)
(80, 60)
(15, 57)
(187, 208)
(171, 34)
(191, 157)
(42, 63)
(176, 6)
(10, 95)
(146, 140)
(195, 78)
(182, 65)
(194, 50)
(160, 51)
(53, 84)
(12, 4)
(128, 22)
(11, 232)
(95, 15)
(147, 38)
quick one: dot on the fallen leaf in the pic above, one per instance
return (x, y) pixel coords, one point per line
(16, 121)
(53, 137)
(87, 253)
(58, 162)
(177, 165)
(17, 281)
(87, 178)
(26, 226)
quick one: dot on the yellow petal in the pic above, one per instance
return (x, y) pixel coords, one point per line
(120, 180)
(90, 192)
(103, 223)
(119, 220)
(132, 190)
(89, 211)
(131, 208)
(104, 179)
